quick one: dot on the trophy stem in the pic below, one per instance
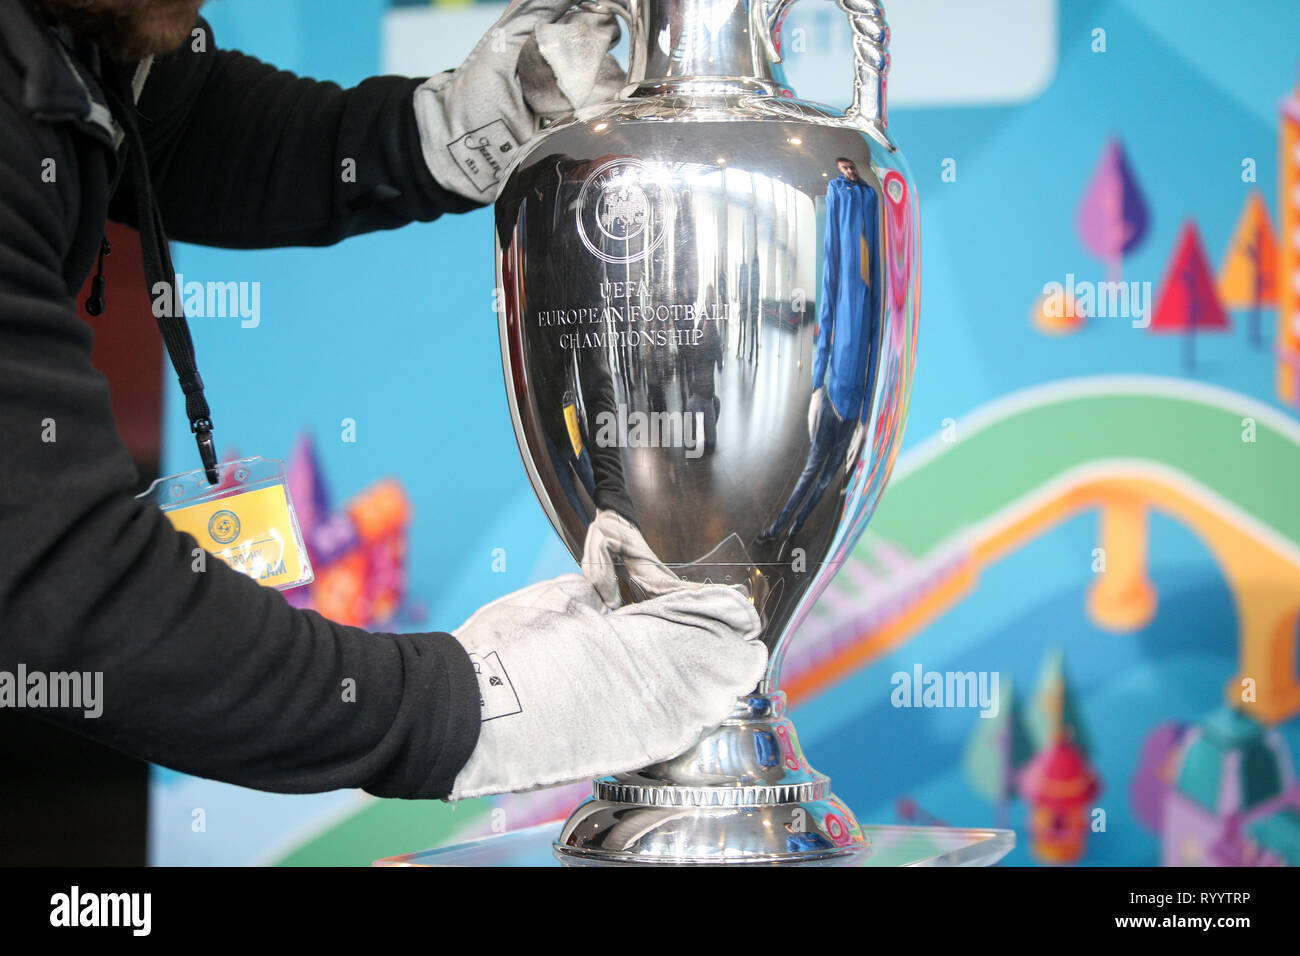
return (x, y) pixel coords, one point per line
(744, 794)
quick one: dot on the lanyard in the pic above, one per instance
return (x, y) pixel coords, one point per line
(159, 271)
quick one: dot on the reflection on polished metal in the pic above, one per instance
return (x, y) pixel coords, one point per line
(743, 794)
(708, 300)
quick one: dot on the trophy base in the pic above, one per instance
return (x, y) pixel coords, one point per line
(744, 794)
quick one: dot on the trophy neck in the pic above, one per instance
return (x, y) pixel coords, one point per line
(699, 46)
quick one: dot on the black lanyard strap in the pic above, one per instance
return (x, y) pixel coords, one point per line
(159, 272)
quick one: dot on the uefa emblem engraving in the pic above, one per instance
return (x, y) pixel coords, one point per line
(622, 210)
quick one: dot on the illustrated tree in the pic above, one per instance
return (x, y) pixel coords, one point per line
(1187, 301)
(1249, 271)
(1055, 714)
(997, 750)
(1112, 217)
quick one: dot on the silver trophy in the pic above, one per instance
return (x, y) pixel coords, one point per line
(708, 301)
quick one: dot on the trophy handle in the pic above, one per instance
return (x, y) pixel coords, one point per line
(615, 7)
(870, 52)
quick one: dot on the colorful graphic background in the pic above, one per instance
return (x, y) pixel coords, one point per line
(1024, 451)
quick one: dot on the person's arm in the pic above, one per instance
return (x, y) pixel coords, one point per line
(245, 155)
(203, 671)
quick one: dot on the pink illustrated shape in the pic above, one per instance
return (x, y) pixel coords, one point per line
(1113, 216)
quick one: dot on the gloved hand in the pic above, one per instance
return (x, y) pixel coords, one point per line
(855, 443)
(815, 411)
(539, 62)
(613, 540)
(572, 691)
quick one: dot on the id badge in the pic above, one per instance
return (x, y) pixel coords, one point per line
(571, 422)
(246, 519)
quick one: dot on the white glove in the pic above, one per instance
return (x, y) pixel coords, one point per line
(613, 540)
(539, 62)
(855, 444)
(815, 411)
(572, 691)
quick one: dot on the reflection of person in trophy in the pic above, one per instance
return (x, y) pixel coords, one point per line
(571, 459)
(751, 307)
(582, 373)
(579, 375)
(614, 548)
(700, 365)
(848, 320)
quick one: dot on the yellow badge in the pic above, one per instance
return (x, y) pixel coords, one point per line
(575, 433)
(246, 519)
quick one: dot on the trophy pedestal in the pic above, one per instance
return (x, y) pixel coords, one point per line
(886, 846)
(743, 794)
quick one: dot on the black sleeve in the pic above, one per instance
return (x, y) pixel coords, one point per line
(246, 156)
(204, 672)
(606, 462)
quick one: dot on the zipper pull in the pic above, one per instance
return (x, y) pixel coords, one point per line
(95, 303)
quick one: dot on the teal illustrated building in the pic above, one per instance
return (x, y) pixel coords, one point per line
(1220, 793)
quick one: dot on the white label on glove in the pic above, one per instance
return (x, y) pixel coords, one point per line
(483, 153)
(496, 695)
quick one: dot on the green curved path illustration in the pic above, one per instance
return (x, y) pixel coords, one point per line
(1019, 443)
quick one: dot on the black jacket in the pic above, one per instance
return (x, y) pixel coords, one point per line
(207, 673)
